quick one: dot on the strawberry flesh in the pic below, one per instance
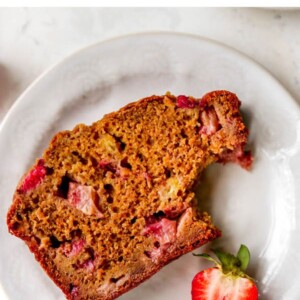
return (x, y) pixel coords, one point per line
(74, 248)
(83, 198)
(185, 102)
(164, 232)
(89, 265)
(243, 158)
(173, 212)
(210, 122)
(212, 284)
(184, 221)
(107, 165)
(34, 177)
(75, 292)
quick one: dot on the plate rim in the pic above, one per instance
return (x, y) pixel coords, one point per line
(137, 34)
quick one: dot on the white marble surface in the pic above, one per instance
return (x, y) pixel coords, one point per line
(33, 39)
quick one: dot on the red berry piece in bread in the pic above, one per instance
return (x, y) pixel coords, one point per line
(34, 177)
(164, 232)
(83, 198)
(89, 265)
(186, 102)
(239, 156)
(210, 122)
(74, 291)
(107, 165)
(226, 281)
(73, 249)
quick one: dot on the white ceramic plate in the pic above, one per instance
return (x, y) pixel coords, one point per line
(258, 208)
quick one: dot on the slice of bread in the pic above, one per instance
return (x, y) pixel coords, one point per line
(110, 204)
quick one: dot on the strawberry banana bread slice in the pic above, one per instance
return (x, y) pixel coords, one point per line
(110, 204)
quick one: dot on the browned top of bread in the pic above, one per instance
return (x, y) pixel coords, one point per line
(109, 204)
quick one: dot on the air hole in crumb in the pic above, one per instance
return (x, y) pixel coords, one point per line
(108, 187)
(140, 156)
(120, 259)
(38, 240)
(115, 209)
(168, 173)
(77, 232)
(110, 200)
(19, 217)
(125, 164)
(121, 144)
(156, 244)
(63, 188)
(131, 237)
(91, 252)
(96, 136)
(81, 159)
(149, 141)
(94, 162)
(183, 134)
(159, 214)
(115, 280)
(179, 193)
(27, 211)
(113, 236)
(15, 226)
(49, 171)
(147, 253)
(133, 220)
(55, 243)
(105, 265)
(35, 200)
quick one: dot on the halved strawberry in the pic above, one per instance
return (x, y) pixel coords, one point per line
(226, 281)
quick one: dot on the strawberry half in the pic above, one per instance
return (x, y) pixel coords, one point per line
(226, 281)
